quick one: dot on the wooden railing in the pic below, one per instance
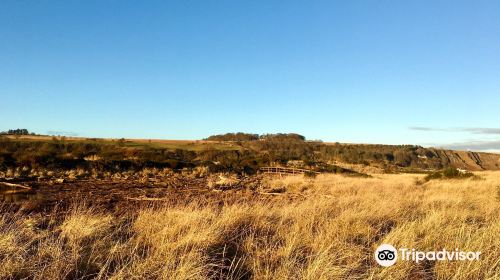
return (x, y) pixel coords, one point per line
(286, 170)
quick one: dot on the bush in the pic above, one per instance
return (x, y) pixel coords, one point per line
(449, 173)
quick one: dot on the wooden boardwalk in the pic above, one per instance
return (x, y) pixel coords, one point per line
(285, 170)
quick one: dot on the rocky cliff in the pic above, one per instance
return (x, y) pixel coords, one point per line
(474, 161)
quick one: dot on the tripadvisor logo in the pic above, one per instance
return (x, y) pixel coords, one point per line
(387, 255)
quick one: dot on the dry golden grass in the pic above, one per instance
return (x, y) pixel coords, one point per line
(329, 231)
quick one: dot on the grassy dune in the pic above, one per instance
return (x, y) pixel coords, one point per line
(322, 228)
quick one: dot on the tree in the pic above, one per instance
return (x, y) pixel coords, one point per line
(19, 131)
(240, 136)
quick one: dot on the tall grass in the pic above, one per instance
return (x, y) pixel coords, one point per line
(329, 230)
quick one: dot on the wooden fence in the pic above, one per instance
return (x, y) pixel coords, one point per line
(285, 170)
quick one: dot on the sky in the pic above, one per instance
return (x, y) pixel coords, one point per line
(392, 72)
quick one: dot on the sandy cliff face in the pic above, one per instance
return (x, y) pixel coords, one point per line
(473, 161)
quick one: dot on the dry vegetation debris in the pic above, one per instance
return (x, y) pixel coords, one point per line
(329, 233)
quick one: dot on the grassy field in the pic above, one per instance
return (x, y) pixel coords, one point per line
(190, 145)
(316, 228)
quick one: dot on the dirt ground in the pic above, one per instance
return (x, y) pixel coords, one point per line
(125, 195)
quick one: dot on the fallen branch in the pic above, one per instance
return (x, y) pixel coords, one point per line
(15, 185)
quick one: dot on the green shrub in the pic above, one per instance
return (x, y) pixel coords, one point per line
(448, 173)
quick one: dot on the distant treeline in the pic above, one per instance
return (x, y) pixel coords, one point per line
(269, 149)
(240, 136)
(19, 131)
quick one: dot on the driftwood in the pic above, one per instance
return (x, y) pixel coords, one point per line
(15, 185)
(146, 199)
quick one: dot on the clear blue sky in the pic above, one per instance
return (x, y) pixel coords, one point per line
(417, 72)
